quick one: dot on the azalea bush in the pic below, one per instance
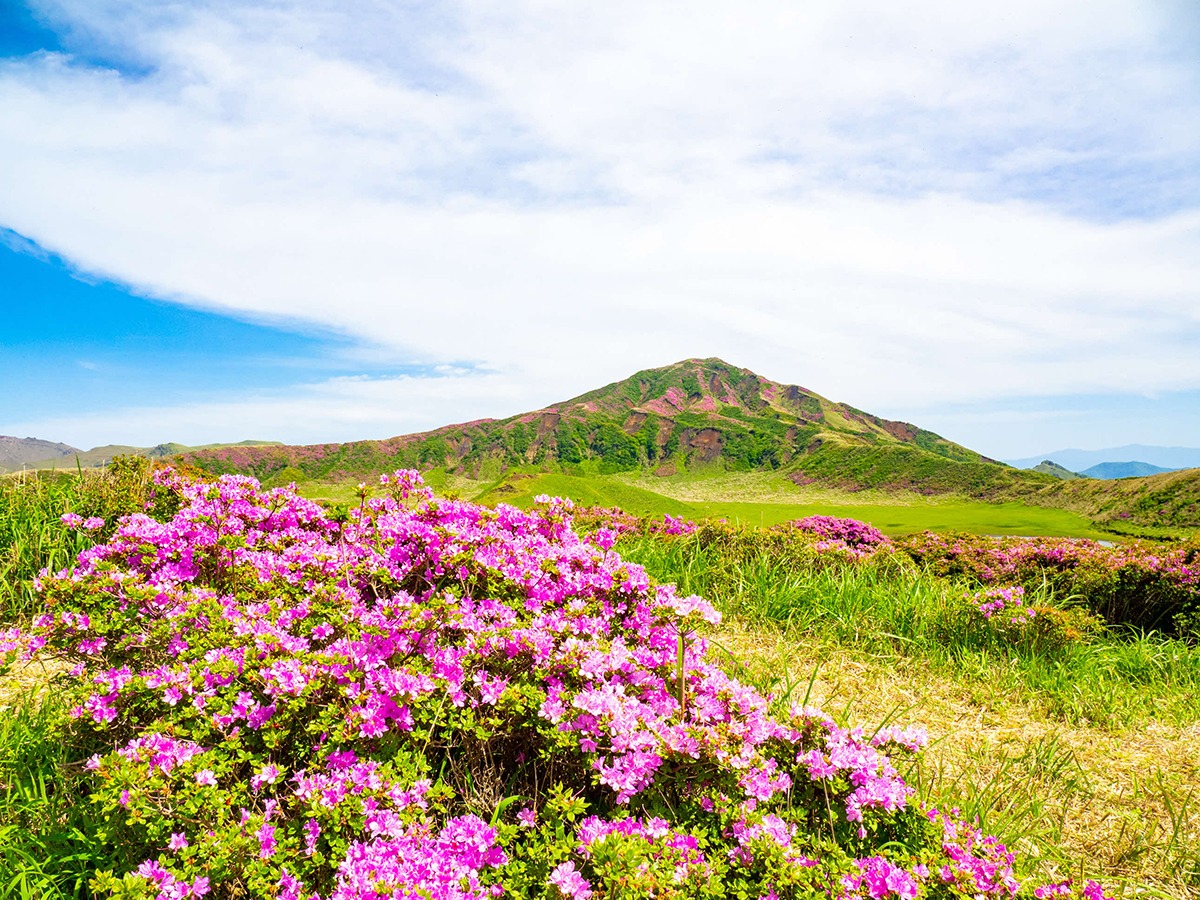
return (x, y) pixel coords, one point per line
(1013, 617)
(1149, 586)
(838, 533)
(432, 699)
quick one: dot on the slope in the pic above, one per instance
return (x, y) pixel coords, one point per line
(688, 416)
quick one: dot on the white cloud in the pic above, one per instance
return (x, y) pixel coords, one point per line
(874, 200)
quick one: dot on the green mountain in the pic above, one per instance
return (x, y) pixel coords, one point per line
(694, 418)
(1050, 467)
(1123, 470)
(694, 415)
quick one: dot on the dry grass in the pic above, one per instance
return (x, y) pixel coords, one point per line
(1121, 805)
(26, 681)
(768, 487)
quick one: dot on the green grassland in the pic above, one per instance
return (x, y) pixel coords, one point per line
(759, 499)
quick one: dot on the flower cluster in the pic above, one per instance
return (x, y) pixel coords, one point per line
(1148, 585)
(1007, 603)
(303, 704)
(74, 520)
(841, 533)
(1092, 890)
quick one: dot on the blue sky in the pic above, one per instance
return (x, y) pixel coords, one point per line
(82, 344)
(223, 220)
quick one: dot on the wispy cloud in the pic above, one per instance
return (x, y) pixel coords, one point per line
(933, 201)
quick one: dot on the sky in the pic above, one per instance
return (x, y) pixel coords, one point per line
(311, 221)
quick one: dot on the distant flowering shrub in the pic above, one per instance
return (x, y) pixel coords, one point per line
(1009, 615)
(673, 525)
(1004, 603)
(1143, 584)
(598, 520)
(838, 533)
(432, 699)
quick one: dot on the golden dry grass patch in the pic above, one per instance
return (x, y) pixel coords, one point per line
(766, 487)
(28, 681)
(1121, 805)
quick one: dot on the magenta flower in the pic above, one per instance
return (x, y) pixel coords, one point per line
(569, 882)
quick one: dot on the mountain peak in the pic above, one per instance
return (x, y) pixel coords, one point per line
(16, 452)
(695, 412)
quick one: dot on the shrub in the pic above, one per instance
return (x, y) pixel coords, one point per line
(1144, 585)
(841, 533)
(426, 699)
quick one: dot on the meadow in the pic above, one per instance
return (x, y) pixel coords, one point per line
(227, 697)
(752, 498)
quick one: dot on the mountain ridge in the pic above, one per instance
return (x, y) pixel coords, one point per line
(34, 453)
(690, 414)
(17, 452)
(1127, 469)
(1167, 458)
(702, 414)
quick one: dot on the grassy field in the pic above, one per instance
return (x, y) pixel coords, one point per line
(964, 515)
(1082, 750)
(758, 499)
(764, 499)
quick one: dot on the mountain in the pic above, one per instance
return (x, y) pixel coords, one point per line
(695, 414)
(703, 415)
(18, 452)
(1111, 470)
(1167, 458)
(1053, 468)
(33, 453)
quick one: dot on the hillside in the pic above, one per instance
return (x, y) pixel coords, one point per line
(31, 453)
(16, 452)
(1050, 467)
(694, 415)
(1168, 500)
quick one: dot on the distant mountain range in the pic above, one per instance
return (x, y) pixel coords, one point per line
(33, 453)
(1102, 471)
(17, 452)
(1163, 459)
(1133, 469)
